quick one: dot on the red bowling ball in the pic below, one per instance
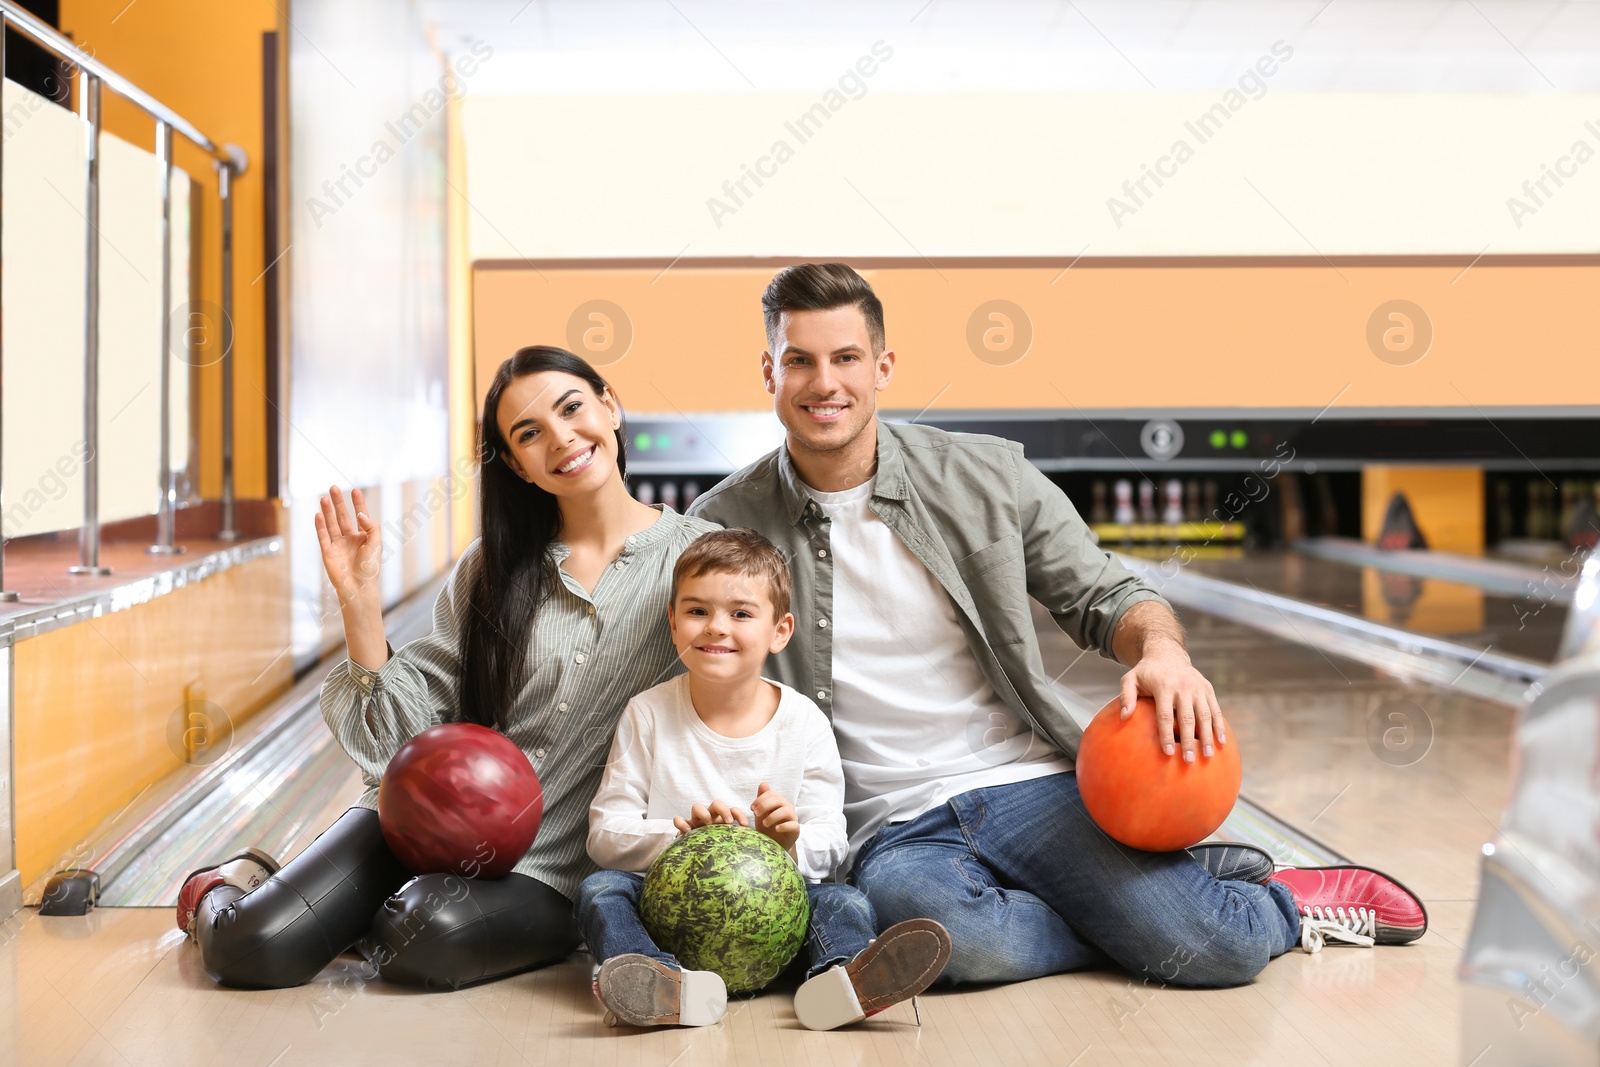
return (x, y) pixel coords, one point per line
(1145, 798)
(460, 799)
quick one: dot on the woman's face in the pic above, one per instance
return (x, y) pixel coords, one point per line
(560, 436)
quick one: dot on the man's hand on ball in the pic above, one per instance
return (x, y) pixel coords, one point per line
(1187, 712)
(776, 817)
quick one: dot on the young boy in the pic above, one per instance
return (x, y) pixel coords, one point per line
(699, 748)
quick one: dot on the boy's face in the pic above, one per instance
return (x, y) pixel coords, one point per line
(724, 626)
(823, 376)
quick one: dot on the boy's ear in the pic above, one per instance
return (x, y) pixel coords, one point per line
(780, 639)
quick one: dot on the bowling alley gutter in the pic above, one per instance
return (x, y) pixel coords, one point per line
(1411, 657)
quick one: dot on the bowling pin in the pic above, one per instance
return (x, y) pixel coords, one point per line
(645, 493)
(1191, 509)
(1547, 510)
(1172, 514)
(669, 494)
(691, 489)
(1147, 500)
(1124, 512)
(1569, 501)
(1097, 508)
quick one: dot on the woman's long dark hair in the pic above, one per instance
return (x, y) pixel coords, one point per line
(518, 520)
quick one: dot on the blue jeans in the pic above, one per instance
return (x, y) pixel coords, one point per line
(1028, 885)
(842, 922)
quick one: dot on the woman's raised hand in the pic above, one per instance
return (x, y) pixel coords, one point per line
(352, 547)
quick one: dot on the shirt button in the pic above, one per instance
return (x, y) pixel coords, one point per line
(822, 624)
(822, 694)
(538, 753)
(622, 564)
(580, 657)
(591, 609)
(822, 553)
(561, 706)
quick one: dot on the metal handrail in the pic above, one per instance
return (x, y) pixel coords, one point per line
(53, 40)
(229, 162)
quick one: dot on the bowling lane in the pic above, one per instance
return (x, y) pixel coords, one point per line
(1527, 626)
(1403, 777)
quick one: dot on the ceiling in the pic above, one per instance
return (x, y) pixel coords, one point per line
(716, 46)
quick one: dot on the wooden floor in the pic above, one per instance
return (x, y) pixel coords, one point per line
(121, 987)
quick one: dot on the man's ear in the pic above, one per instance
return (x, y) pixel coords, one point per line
(768, 368)
(885, 366)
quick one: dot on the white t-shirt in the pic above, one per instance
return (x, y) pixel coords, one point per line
(664, 760)
(916, 721)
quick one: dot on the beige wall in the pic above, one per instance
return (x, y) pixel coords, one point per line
(1029, 174)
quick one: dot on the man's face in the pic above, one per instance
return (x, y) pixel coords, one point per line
(823, 376)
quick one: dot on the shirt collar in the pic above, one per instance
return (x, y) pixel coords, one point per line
(891, 476)
(663, 527)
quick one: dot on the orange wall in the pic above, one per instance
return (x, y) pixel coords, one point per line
(463, 407)
(202, 59)
(1291, 334)
(97, 702)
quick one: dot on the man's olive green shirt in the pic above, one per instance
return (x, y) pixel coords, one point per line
(990, 528)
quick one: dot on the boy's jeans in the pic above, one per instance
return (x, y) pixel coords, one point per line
(1028, 885)
(842, 922)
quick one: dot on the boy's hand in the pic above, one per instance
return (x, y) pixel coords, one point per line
(776, 817)
(710, 815)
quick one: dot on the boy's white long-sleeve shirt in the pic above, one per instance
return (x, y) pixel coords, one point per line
(664, 760)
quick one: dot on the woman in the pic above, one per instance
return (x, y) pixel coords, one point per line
(549, 623)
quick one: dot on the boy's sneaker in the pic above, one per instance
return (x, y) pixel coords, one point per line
(902, 962)
(1352, 905)
(641, 991)
(247, 870)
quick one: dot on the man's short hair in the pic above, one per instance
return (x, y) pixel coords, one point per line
(821, 287)
(739, 551)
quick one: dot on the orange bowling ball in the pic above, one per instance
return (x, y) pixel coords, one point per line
(1145, 798)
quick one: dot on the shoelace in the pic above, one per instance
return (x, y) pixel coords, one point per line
(1352, 926)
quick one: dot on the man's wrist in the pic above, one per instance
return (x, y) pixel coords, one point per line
(1158, 645)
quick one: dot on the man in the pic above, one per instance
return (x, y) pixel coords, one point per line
(915, 552)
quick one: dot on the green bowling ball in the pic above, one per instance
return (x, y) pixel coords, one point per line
(727, 899)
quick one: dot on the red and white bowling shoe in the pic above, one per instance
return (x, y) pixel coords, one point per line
(1352, 905)
(247, 870)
